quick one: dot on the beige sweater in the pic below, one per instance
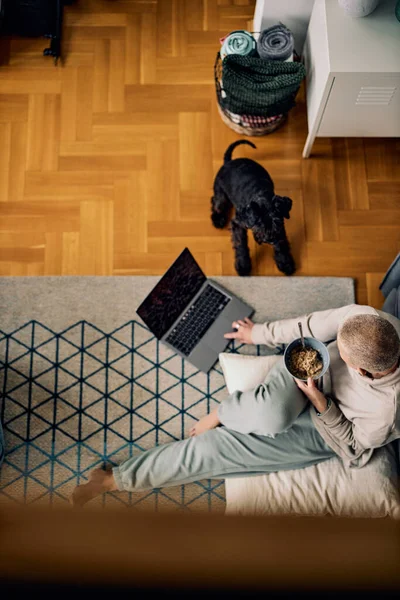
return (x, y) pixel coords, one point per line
(365, 413)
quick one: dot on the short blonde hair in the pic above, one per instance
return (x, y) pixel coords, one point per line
(371, 342)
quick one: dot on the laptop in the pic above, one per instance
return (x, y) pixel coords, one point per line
(190, 313)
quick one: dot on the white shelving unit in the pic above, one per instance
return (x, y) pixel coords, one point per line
(353, 73)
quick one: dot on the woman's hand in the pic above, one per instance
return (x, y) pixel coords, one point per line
(243, 331)
(313, 394)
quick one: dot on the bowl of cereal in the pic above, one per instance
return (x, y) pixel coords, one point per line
(312, 360)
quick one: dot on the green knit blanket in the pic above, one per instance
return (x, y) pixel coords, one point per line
(257, 86)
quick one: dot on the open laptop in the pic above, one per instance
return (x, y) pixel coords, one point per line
(190, 313)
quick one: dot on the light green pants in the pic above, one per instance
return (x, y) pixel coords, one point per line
(265, 430)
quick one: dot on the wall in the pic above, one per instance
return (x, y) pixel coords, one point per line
(295, 14)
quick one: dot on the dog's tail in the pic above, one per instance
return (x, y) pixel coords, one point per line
(228, 153)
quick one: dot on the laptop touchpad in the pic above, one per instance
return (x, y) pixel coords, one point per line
(215, 337)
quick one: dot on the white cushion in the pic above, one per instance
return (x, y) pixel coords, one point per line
(326, 488)
(244, 372)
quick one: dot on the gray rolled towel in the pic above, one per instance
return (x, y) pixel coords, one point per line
(275, 43)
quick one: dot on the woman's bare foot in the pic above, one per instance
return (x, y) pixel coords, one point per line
(100, 481)
(208, 422)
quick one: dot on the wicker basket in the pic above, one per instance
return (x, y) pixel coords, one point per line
(241, 127)
(251, 131)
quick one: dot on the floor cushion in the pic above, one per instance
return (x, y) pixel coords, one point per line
(329, 488)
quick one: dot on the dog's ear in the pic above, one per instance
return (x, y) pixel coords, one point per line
(250, 215)
(283, 205)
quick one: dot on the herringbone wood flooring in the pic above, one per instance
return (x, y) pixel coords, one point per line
(108, 161)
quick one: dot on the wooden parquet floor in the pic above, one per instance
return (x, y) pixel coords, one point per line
(107, 162)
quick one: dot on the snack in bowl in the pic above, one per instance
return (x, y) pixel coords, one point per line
(312, 360)
(305, 362)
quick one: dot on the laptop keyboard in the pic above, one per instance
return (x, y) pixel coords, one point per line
(197, 320)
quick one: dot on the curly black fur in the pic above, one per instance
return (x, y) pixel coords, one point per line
(245, 185)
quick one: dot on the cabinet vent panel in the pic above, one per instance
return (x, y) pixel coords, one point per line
(379, 96)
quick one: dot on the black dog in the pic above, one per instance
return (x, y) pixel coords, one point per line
(247, 186)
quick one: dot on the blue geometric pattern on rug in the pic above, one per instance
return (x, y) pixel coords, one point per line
(78, 398)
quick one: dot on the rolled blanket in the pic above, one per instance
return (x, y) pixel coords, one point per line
(276, 43)
(252, 121)
(239, 42)
(260, 87)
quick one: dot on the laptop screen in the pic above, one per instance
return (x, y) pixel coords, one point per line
(172, 294)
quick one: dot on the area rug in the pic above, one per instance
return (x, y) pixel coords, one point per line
(84, 383)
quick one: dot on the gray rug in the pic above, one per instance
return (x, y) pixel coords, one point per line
(83, 382)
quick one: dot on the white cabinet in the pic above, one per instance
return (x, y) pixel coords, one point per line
(353, 73)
